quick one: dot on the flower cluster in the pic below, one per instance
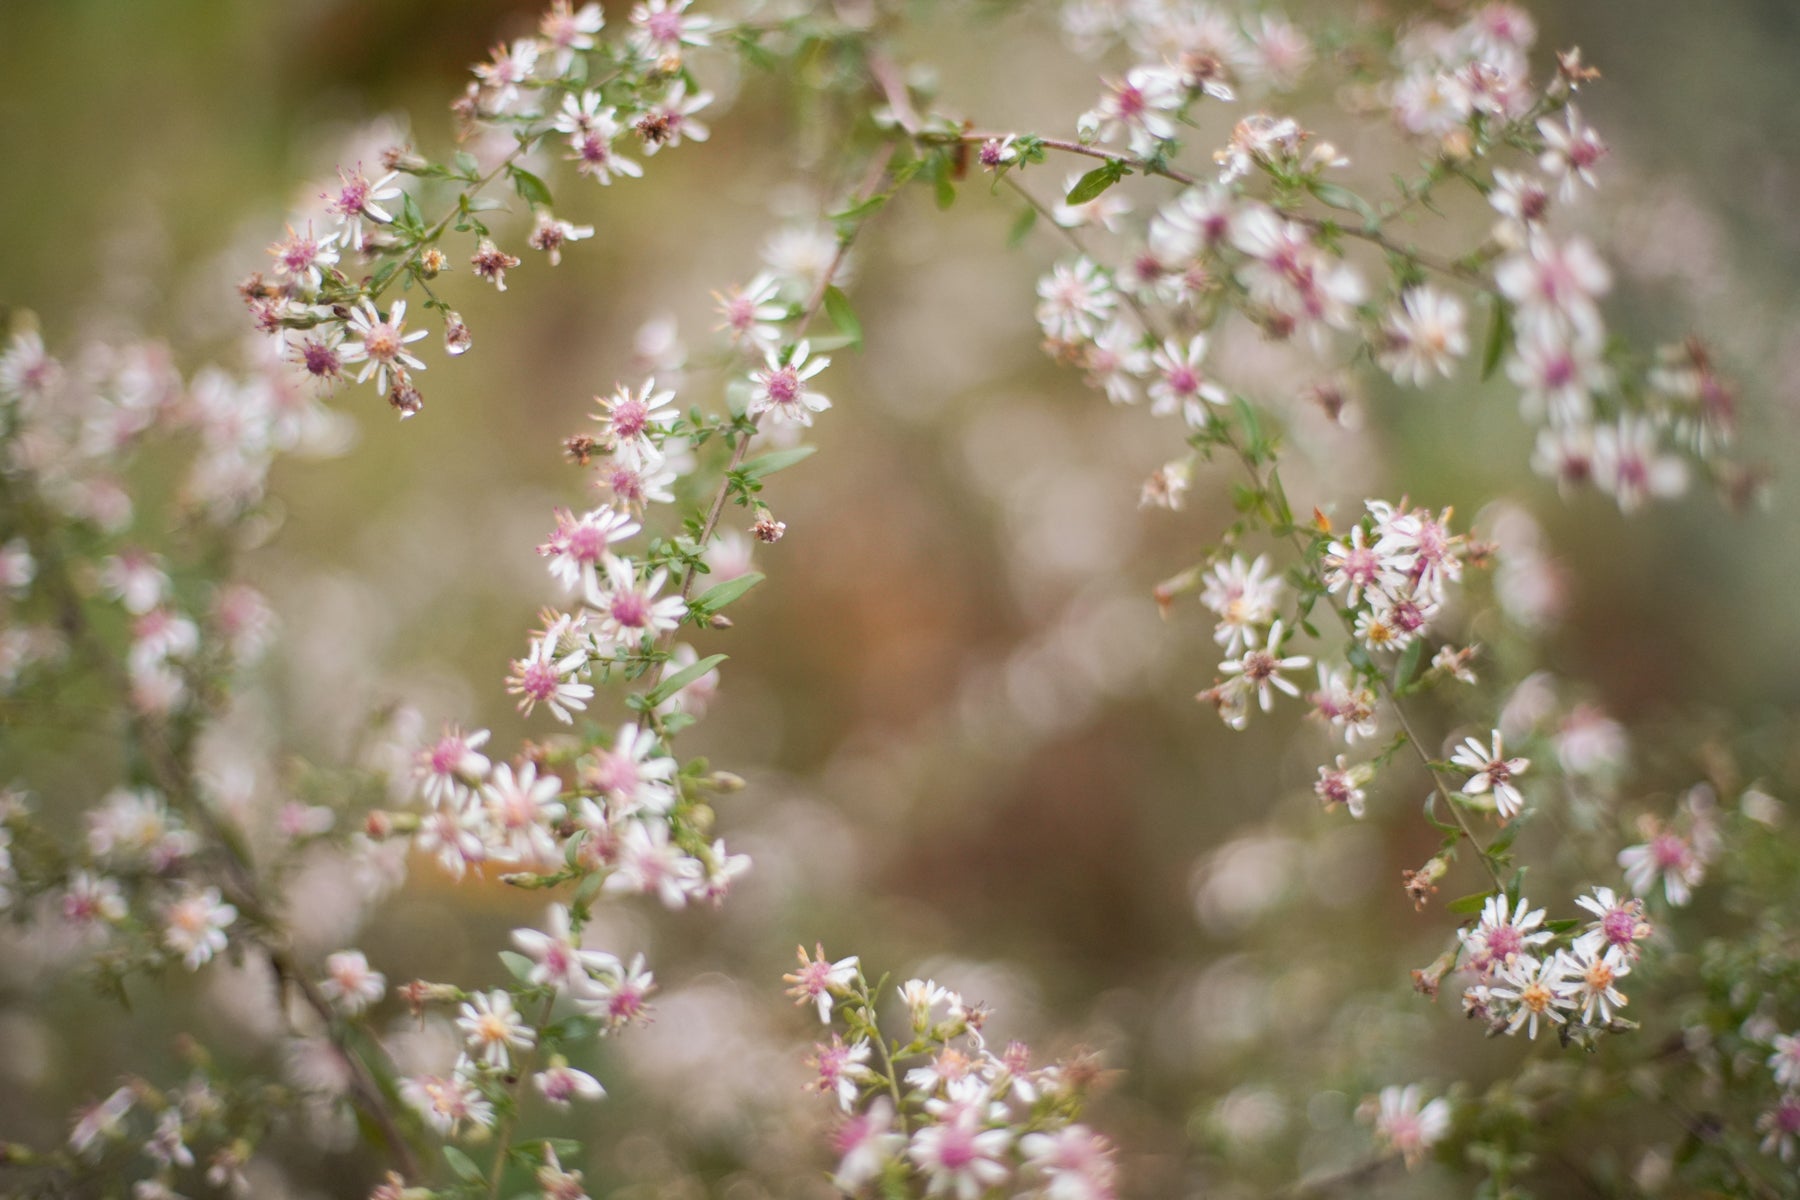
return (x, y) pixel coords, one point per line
(963, 1120)
(326, 305)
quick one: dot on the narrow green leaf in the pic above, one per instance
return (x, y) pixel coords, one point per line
(463, 1165)
(776, 460)
(837, 306)
(1408, 664)
(946, 190)
(1499, 334)
(517, 965)
(717, 597)
(1022, 226)
(531, 189)
(1333, 196)
(682, 678)
(468, 164)
(1468, 905)
(1096, 181)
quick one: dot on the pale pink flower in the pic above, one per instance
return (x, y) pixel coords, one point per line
(866, 1143)
(1570, 152)
(629, 609)
(1533, 990)
(1619, 922)
(520, 809)
(380, 344)
(631, 774)
(448, 1102)
(621, 999)
(1075, 1162)
(649, 862)
(818, 980)
(558, 960)
(660, 28)
(1408, 1125)
(305, 257)
(959, 1155)
(565, 32)
(194, 925)
(562, 1084)
(1423, 336)
(1261, 668)
(667, 121)
(541, 677)
(580, 544)
(1503, 936)
(1593, 972)
(450, 766)
(632, 423)
(780, 387)
(1494, 772)
(493, 1029)
(1630, 465)
(350, 983)
(357, 200)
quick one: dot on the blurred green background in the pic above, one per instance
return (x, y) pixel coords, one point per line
(972, 747)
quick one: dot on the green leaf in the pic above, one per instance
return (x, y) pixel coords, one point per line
(1096, 181)
(1409, 663)
(576, 1027)
(946, 190)
(1333, 196)
(531, 189)
(468, 164)
(463, 1165)
(1022, 226)
(1468, 905)
(775, 460)
(1499, 334)
(718, 596)
(682, 678)
(837, 305)
(518, 965)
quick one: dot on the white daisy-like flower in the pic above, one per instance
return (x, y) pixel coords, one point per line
(1409, 1125)
(380, 344)
(780, 387)
(629, 609)
(1533, 991)
(819, 979)
(1494, 772)
(1423, 336)
(1261, 668)
(493, 1029)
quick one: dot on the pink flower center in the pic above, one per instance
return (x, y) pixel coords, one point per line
(586, 543)
(626, 484)
(1183, 380)
(783, 386)
(1668, 851)
(957, 1148)
(446, 755)
(630, 610)
(1620, 926)
(299, 255)
(665, 27)
(352, 197)
(625, 1004)
(539, 681)
(593, 151)
(319, 358)
(1505, 941)
(382, 341)
(629, 418)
